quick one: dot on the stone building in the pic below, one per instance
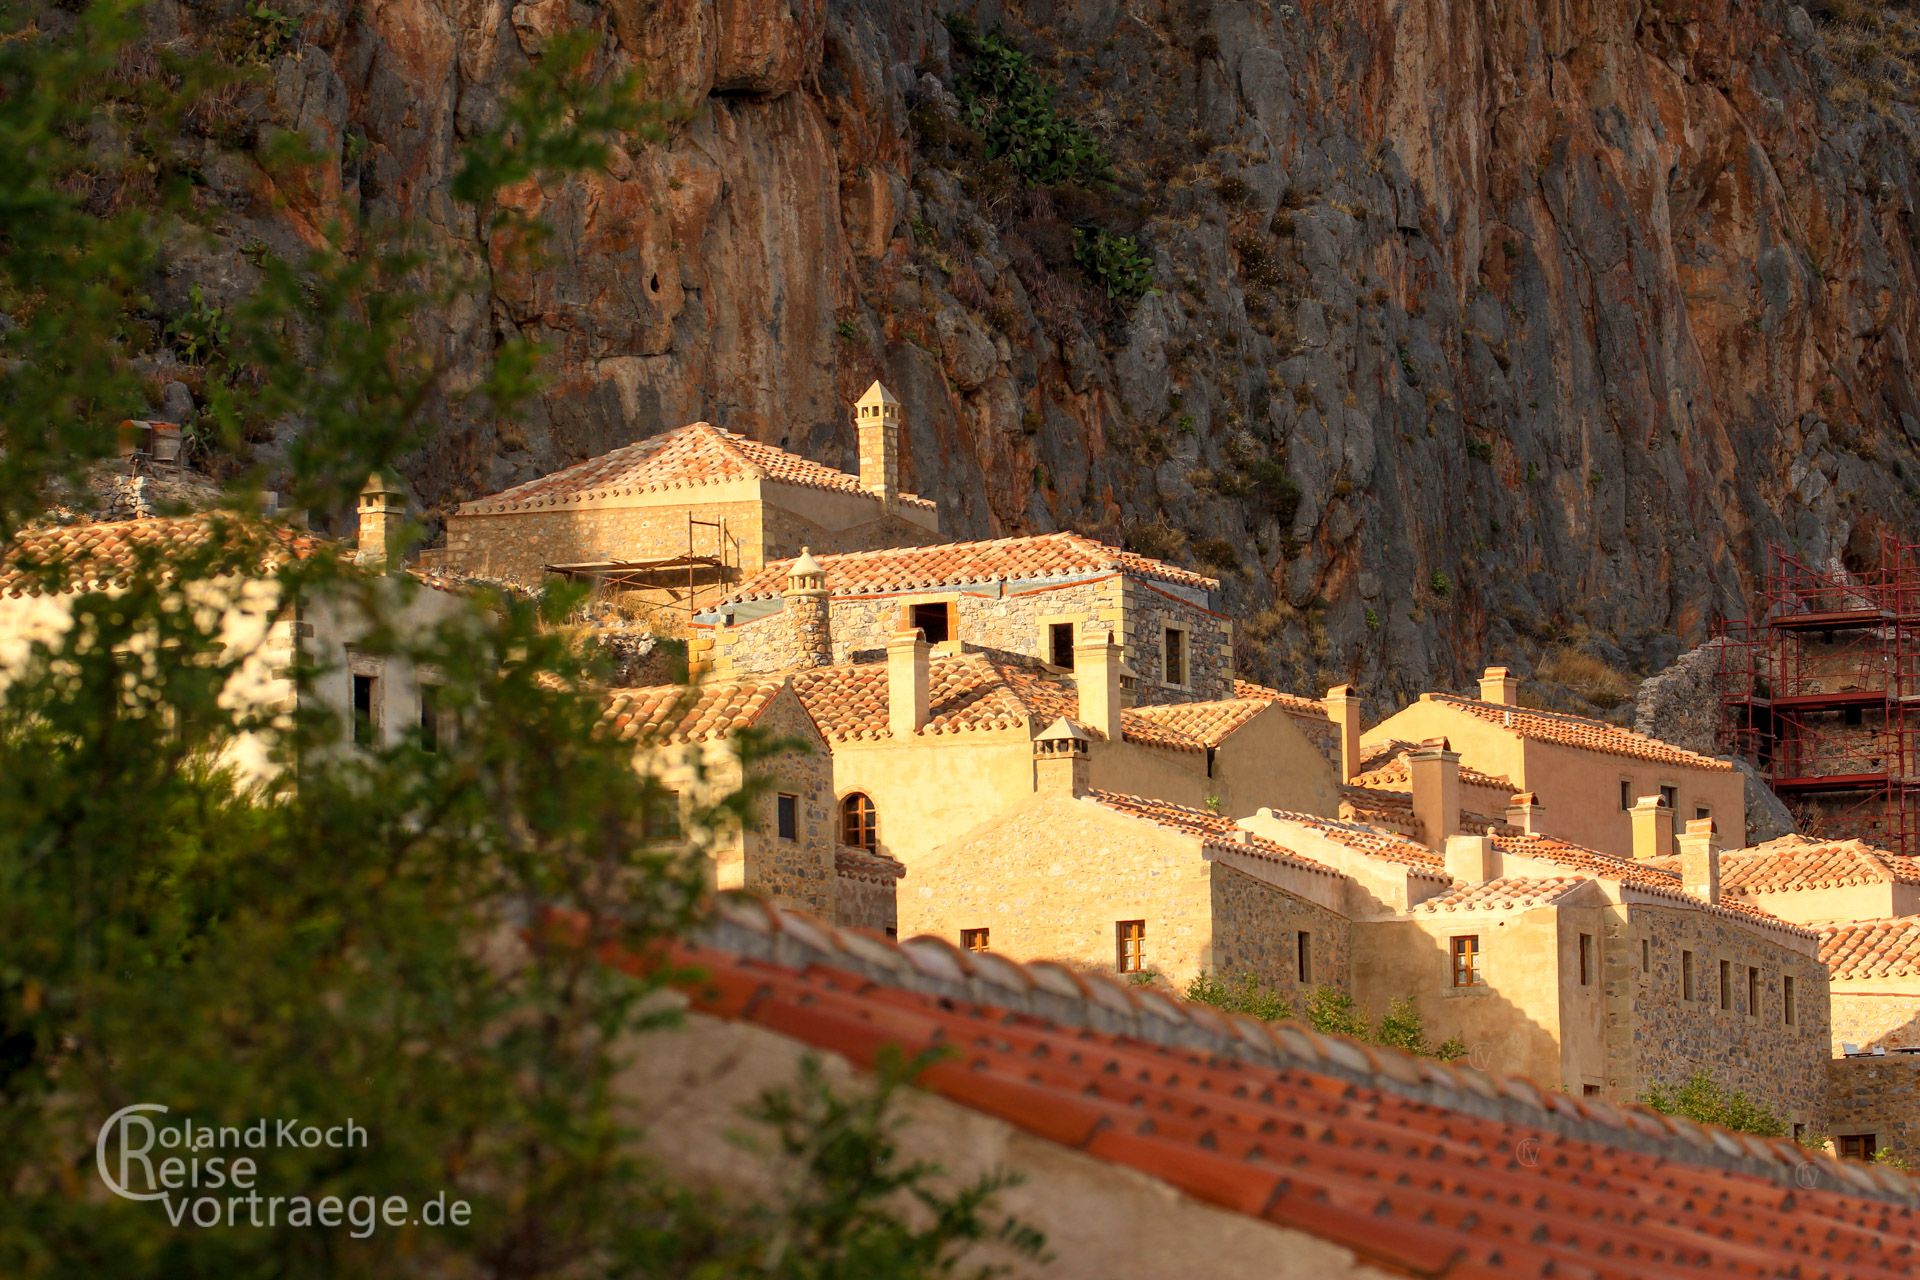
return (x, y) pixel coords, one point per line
(1587, 774)
(1031, 597)
(680, 517)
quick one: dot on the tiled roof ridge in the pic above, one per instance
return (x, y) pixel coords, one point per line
(745, 926)
(1852, 936)
(1614, 739)
(689, 713)
(1215, 831)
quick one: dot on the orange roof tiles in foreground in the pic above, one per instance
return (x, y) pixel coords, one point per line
(107, 553)
(1872, 949)
(686, 457)
(1416, 1167)
(673, 713)
(1562, 729)
(961, 564)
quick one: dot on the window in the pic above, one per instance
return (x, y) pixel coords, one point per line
(935, 621)
(1753, 991)
(1851, 716)
(1590, 1090)
(1799, 1131)
(786, 810)
(1858, 1146)
(1701, 813)
(1130, 945)
(1175, 653)
(429, 718)
(1670, 796)
(1786, 1000)
(1466, 961)
(1646, 956)
(859, 825)
(973, 939)
(1686, 975)
(1060, 644)
(366, 710)
(1726, 985)
(1303, 955)
(1626, 793)
(660, 820)
(1586, 959)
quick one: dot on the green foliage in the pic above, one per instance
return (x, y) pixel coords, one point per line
(1004, 100)
(1373, 619)
(1703, 1100)
(1480, 449)
(273, 32)
(848, 331)
(1328, 1011)
(1892, 1159)
(1241, 993)
(199, 334)
(1440, 584)
(1116, 263)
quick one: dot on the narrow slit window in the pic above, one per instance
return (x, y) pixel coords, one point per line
(1753, 991)
(429, 718)
(1787, 1010)
(366, 709)
(1686, 975)
(1176, 656)
(1586, 959)
(1726, 984)
(1303, 955)
(787, 815)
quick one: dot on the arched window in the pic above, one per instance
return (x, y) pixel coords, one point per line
(858, 825)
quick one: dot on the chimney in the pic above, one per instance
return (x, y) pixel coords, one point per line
(1652, 827)
(1096, 676)
(907, 683)
(1435, 767)
(1472, 859)
(1527, 813)
(1343, 708)
(876, 420)
(383, 510)
(809, 612)
(1700, 860)
(1060, 760)
(1498, 685)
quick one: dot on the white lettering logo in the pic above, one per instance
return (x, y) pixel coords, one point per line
(127, 1121)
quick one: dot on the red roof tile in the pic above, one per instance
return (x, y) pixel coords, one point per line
(1299, 705)
(1364, 837)
(971, 564)
(1872, 949)
(686, 457)
(853, 863)
(1414, 1166)
(674, 713)
(1505, 894)
(1798, 863)
(1645, 876)
(101, 554)
(1385, 766)
(1214, 830)
(1566, 730)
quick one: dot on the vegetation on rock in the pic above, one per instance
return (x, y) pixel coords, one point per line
(1327, 1010)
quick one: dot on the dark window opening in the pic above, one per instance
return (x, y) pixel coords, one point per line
(1176, 656)
(1726, 985)
(1130, 946)
(1686, 975)
(366, 696)
(1852, 715)
(859, 824)
(1701, 813)
(1646, 956)
(1859, 1146)
(1590, 1090)
(429, 718)
(973, 939)
(787, 814)
(1586, 959)
(1626, 794)
(1672, 797)
(1786, 1000)
(1060, 644)
(1753, 991)
(935, 622)
(1303, 947)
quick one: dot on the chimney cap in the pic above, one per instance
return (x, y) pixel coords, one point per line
(1525, 800)
(1431, 745)
(384, 481)
(1063, 730)
(906, 636)
(1341, 691)
(877, 393)
(805, 564)
(1495, 673)
(1702, 827)
(1654, 801)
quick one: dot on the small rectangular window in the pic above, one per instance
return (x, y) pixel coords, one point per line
(1726, 985)
(1060, 644)
(1858, 1146)
(1466, 961)
(429, 718)
(1176, 656)
(1626, 793)
(1799, 1131)
(787, 811)
(1701, 813)
(1646, 956)
(973, 939)
(1130, 945)
(1303, 955)
(1851, 716)
(1686, 975)
(1787, 1010)
(935, 621)
(1753, 992)
(366, 706)
(1586, 959)
(1590, 1090)
(1671, 796)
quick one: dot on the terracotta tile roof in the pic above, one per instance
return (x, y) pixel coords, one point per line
(1215, 830)
(971, 692)
(1416, 1167)
(674, 713)
(852, 863)
(1298, 704)
(964, 564)
(1395, 808)
(1364, 837)
(1798, 863)
(1385, 766)
(1565, 730)
(1872, 949)
(100, 554)
(1644, 876)
(684, 458)
(1508, 893)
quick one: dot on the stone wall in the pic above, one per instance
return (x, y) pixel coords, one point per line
(1878, 1095)
(1876, 1013)
(799, 871)
(1148, 612)
(1257, 928)
(785, 532)
(515, 545)
(1654, 1035)
(866, 902)
(1013, 623)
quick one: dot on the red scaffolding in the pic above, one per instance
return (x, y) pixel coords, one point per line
(1820, 690)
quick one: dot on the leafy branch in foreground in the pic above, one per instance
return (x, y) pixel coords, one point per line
(1704, 1100)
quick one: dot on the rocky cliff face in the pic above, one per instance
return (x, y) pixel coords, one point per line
(1477, 328)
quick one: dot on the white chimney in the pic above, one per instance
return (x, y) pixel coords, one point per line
(1096, 678)
(1435, 769)
(1060, 760)
(908, 683)
(1527, 813)
(1472, 859)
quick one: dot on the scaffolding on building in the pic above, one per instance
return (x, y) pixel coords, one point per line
(683, 583)
(1820, 691)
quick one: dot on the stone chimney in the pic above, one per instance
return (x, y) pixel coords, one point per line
(1435, 767)
(1700, 860)
(1343, 708)
(1096, 677)
(1527, 813)
(876, 419)
(1060, 760)
(808, 612)
(1472, 859)
(383, 512)
(1652, 827)
(1498, 685)
(907, 683)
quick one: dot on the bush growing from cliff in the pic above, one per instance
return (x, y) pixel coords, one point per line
(1117, 264)
(1704, 1100)
(1005, 101)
